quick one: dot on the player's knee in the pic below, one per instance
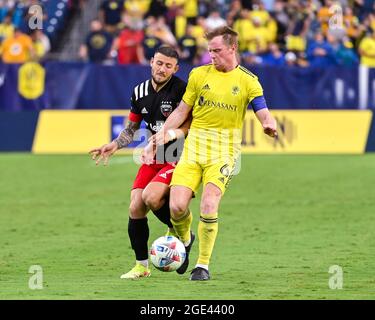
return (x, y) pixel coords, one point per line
(178, 208)
(151, 200)
(210, 204)
(135, 212)
(209, 207)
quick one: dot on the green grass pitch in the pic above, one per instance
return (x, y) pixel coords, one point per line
(282, 223)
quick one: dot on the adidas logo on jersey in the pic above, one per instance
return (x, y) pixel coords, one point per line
(164, 175)
(141, 90)
(144, 111)
(206, 87)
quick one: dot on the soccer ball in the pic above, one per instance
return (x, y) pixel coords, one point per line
(167, 253)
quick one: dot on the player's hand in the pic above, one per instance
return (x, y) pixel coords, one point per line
(160, 138)
(148, 154)
(270, 129)
(103, 153)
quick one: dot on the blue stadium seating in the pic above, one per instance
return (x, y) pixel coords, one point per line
(56, 11)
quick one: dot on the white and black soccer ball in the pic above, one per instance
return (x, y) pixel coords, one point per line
(167, 253)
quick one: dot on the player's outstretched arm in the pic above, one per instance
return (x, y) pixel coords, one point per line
(176, 119)
(268, 122)
(126, 135)
(148, 153)
(184, 128)
(124, 138)
(103, 153)
(181, 132)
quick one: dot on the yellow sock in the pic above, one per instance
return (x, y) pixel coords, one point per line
(182, 227)
(207, 231)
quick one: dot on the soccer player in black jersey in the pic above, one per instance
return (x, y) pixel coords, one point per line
(152, 101)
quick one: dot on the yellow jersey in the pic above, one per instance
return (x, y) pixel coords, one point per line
(6, 31)
(262, 15)
(243, 27)
(219, 101)
(137, 8)
(367, 45)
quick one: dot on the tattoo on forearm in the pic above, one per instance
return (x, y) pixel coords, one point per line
(126, 136)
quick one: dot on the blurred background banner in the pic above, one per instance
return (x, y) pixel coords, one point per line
(16, 84)
(310, 88)
(300, 131)
(307, 131)
(17, 130)
(75, 85)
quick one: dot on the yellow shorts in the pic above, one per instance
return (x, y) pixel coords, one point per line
(190, 174)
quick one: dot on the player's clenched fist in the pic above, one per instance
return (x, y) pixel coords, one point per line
(270, 129)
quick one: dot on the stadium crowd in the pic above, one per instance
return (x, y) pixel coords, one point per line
(22, 38)
(271, 32)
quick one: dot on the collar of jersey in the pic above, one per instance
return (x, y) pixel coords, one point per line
(164, 85)
(225, 73)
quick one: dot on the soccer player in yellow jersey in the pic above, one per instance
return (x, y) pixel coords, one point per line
(367, 50)
(219, 94)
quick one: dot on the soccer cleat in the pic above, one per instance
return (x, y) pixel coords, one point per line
(184, 266)
(139, 271)
(200, 274)
(172, 233)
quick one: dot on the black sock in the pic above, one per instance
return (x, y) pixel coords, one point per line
(164, 214)
(138, 233)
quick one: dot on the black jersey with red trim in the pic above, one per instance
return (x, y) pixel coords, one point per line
(155, 107)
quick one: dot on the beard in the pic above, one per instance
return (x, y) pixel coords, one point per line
(160, 82)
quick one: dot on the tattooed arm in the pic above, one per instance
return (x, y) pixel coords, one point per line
(125, 137)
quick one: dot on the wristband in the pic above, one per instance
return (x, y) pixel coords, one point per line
(172, 134)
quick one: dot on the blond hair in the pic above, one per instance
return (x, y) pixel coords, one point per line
(230, 37)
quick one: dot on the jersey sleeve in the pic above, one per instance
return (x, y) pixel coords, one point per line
(134, 108)
(191, 89)
(181, 90)
(135, 112)
(364, 44)
(254, 89)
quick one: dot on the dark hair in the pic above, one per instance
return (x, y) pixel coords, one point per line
(167, 51)
(229, 35)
